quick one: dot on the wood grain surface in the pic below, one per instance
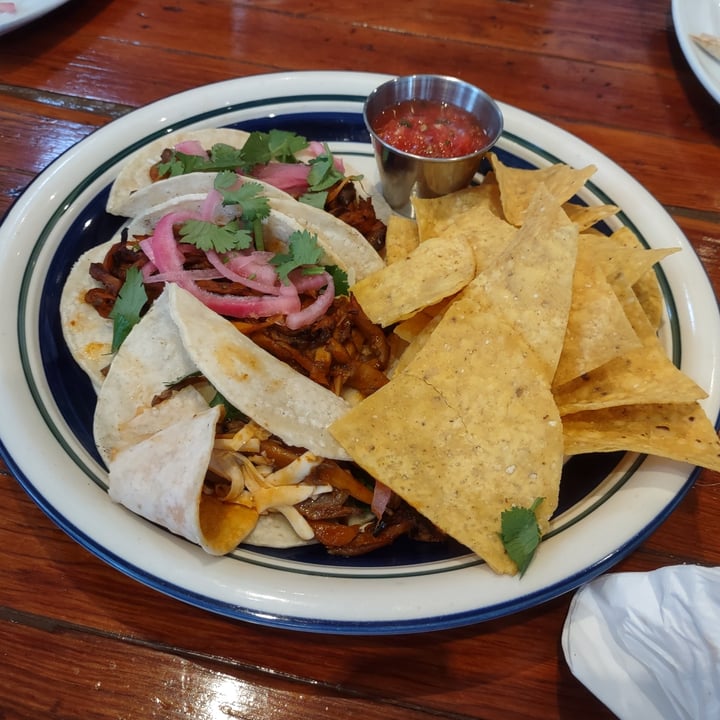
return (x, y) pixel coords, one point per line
(78, 639)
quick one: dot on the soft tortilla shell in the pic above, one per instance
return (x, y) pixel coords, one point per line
(151, 358)
(283, 401)
(135, 174)
(170, 490)
(342, 244)
(87, 334)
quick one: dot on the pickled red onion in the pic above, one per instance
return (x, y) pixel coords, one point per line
(226, 271)
(290, 177)
(315, 309)
(381, 497)
(251, 269)
(191, 147)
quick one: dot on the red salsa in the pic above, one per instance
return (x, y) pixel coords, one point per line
(430, 128)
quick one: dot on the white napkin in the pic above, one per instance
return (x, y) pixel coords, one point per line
(648, 644)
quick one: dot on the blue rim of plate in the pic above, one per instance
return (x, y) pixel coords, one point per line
(64, 379)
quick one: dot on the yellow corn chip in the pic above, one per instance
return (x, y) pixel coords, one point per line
(680, 431)
(436, 269)
(517, 185)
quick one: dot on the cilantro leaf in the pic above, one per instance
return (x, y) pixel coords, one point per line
(303, 250)
(249, 196)
(315, 199)
(340, 279)
(283, 145)
(129, 304)
(225, 157)
(181, 163)
(221, 238)
(260, 148)
(323, 173)
(521, 534)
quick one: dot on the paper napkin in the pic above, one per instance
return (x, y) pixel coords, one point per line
(648, 644)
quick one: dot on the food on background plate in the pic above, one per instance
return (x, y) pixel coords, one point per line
(709, 43)
(405, 423)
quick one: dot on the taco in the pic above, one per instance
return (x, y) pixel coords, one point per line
(259, 259)
(138, 171)
(286, 163)
(189, 351)
(221, 443)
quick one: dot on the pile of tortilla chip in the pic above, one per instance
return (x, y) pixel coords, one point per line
(528, 335)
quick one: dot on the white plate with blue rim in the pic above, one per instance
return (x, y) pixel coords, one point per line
(698, 17)
(609, 503)
(24, 12)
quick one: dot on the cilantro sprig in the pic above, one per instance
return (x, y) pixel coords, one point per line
(129, 304)
(263, 147)
(520, 534)
(259, 149)
(303, 251)
(206, 235)
(322, 176)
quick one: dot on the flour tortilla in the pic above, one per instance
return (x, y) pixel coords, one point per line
(273, 394)
(89, 336)
(158, 454)
(169, 190)
(135, 174)
(342, 244)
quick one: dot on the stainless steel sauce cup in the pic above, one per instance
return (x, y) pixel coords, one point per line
(403, 174)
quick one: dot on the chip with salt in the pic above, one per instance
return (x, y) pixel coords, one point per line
(437, 268)
(530, 282)
(585, 216)
(401, 238)
(517, 185)
(617, 259)
(679, 431)
(435, 215)
(443, 433)
(641, 376)
(598, 329)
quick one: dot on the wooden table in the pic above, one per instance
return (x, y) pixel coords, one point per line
(79, 639)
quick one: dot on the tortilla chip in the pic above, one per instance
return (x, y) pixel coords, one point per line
(443, 433)
(517, 185)
(401, 238)
(585, 216)
(598, 329)
(642, 376)
(530, 283)
(650, 296)
(436, 215)
(632, 263)
(679, 431)
(437, 268)
(645, 283)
